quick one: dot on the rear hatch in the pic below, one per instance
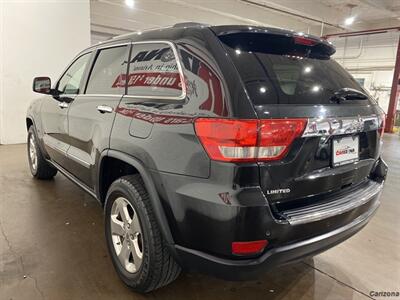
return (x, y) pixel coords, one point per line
(289, 76)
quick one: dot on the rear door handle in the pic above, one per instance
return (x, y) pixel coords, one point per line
(104, 109)
(63, 104)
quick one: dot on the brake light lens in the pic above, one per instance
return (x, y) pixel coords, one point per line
(247, 248)
(247, 140)
(300, 40)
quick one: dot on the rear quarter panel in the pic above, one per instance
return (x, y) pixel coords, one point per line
(160, 133)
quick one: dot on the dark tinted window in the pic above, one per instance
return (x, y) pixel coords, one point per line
(275, 70)
(69, 83)
(153, 71)
(109, 66)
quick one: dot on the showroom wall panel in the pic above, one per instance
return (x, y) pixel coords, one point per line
(38, 38)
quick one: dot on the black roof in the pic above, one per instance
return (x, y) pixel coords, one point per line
(170, 31)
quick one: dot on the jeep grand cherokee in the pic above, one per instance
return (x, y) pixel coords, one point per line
(222, 149)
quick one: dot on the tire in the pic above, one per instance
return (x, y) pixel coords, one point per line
(40, 168)
(154, 266)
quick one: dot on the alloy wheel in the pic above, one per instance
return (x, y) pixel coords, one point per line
(33, 153)
(126, 234)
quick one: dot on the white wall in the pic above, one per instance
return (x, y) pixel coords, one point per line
(372, 58)
(37, 38)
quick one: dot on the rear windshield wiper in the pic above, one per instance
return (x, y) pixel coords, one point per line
(348, 94)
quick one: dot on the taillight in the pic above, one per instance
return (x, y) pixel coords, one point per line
(301, 40)
(247, 140)
(277, 135)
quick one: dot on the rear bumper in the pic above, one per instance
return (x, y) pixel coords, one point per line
(207, 215)
(245, 269)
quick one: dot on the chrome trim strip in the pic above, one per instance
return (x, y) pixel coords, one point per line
(65, 152)
(178, 62)
(69, 96)
(180, 69)
(341, 125)
(113, 46)
(335, 207)
(102, 95)
(78, 160)
(363, 217)
(48, 138)
(59, 150)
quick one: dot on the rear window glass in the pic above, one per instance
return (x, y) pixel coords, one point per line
(275, 70)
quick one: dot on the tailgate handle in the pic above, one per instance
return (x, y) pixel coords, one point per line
(341, 125)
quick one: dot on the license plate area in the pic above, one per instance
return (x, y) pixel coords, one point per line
(345, 150)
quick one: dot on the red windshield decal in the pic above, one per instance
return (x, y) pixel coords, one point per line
(151, 79)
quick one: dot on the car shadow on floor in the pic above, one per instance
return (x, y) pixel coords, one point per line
(295, 281)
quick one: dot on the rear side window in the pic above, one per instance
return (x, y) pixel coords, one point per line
(153, 72)
(110, 63)
(276, 70)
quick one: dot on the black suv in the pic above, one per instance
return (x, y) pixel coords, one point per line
(221, 149)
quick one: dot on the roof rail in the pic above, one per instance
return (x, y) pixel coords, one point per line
(123, 35)
(139, 31)
(190, 24)
(177, 25)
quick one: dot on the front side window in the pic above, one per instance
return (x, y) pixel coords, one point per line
(153, 71)
(71, 80)
(109, 66)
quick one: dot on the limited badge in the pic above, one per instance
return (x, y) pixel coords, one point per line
(278, 191)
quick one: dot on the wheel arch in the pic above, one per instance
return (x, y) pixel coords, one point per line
(149, 185)
(29, 122)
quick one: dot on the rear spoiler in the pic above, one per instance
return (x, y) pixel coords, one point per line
(299, 38)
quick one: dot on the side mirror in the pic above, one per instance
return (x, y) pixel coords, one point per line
(42, 85)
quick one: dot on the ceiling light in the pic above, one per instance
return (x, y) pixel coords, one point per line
(130, 3)
(238, 51)
(263, 90)
(315, 88)
(349, 20)
(307, 69)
